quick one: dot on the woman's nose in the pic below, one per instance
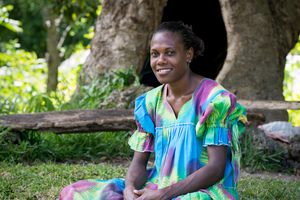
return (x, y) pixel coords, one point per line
(161, 60)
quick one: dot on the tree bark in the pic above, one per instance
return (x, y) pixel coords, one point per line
(270, 105)
(52, 56)
(72, 121)
(122, 36)
(260, 34)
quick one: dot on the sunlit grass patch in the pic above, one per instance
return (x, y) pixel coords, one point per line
(255, 187)
(46, 180)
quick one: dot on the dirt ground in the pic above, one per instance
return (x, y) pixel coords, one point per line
(282, 176)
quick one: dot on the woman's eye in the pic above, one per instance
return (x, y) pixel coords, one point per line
(170, 53)
(154, 54)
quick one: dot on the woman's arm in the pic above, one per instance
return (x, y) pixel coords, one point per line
(201, 179)
(136, 175)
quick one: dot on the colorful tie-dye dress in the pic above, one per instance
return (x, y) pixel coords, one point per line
(211, 117)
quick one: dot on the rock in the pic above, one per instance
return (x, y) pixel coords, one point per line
(255, 118)
(280, 130)
(260, 140)
(294, 151)
(124, 99)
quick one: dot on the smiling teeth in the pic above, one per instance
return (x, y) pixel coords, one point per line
(164, 70)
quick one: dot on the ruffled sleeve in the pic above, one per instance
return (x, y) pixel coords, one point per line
(142, 140)
(222, 121)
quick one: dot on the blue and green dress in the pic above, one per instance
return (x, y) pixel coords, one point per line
(211, 117)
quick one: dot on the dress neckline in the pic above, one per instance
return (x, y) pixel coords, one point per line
(164, 96)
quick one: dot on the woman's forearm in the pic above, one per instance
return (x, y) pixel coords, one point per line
(136, 176)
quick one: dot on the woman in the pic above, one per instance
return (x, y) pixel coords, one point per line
(192, 125)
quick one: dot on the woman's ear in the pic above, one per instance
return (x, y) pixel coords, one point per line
(190, 54)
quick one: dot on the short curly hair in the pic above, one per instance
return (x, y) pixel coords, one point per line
(189, 38)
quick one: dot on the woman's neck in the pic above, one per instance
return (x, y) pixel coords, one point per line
(184, 87)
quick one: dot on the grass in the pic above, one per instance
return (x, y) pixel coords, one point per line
(32, 169)
(34, 146)
(46, 180)
(256, 157)
(267, 188)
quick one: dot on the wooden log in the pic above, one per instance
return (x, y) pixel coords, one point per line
(270, 105)
(87, 121)
(72, 121)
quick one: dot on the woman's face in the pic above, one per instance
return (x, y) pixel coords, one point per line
(169, 58)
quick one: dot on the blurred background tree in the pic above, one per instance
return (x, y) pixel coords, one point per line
(50, 27)
(246, 42)
(24, 69)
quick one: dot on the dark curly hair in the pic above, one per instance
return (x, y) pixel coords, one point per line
(189, 38)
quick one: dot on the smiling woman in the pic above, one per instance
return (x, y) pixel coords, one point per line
(173, 47)
(192, 125)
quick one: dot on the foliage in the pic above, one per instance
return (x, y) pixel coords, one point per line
(33, 37)
(46, 180)
(22, 76)
(11, 24)
(78, 14)
(8, 106)
(296, 49)
(47, 146)
(291, 84)
(22, 82)
(90, 96)
(35, 146)
(73, 10)
(258, 158)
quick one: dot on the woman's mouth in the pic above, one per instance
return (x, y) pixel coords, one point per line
(164, 71)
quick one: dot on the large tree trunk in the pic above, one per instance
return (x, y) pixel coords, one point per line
(260, 34)
(122, 35)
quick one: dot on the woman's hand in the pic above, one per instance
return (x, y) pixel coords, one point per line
(136, 175)
(148, 194)
(128, 193)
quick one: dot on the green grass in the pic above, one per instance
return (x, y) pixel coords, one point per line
(31, 169)
(46, 180)
(267, 188)
(258, 158)
(34, 146)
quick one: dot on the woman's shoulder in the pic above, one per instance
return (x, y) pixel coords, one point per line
(152, 95)
(155, 91)
(210, 85)
(149, 99)
(207, 90)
